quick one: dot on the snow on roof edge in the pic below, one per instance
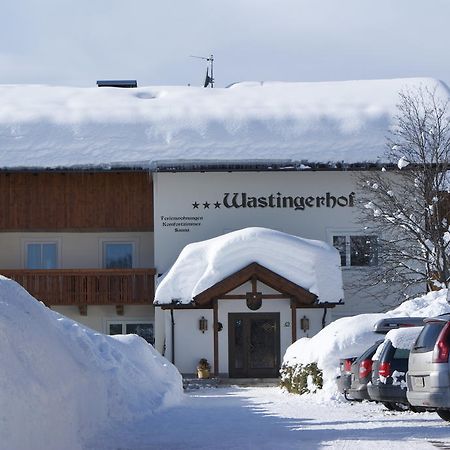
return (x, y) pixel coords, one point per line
(314, 265)
(201, 165)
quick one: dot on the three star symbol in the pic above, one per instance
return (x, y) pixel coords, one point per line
(206, 205)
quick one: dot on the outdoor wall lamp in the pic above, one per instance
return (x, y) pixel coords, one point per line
(203, 324)
(304, 324)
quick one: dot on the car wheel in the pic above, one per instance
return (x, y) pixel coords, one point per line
(444, 414)
(417, 409)
(395, 406)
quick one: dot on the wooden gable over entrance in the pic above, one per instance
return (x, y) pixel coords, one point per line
(255, 272)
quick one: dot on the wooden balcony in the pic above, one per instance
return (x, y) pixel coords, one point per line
(84, 287)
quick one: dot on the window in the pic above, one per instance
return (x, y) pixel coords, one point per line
(41, 255)
(118, 255)
(401, 353)
(357, 250)
(142, 329)
(428, 336)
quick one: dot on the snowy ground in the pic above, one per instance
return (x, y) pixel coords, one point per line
(267, 418)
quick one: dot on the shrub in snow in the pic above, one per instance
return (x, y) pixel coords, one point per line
(301, 379)
(351, 336)
(61, 382)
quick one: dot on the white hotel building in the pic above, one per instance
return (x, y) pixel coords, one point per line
(102, 188)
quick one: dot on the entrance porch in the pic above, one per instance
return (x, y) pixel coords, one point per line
(242, 325)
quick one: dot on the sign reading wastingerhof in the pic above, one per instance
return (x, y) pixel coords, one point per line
(238, 200)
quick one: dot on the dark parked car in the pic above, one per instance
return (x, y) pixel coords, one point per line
(361, 372)
(388, 381)
(428, 377)
(344, 380)
(356, 372)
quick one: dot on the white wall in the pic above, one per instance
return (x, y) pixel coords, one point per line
(315, 320)
(98, 317)
(76, 250)
(190, 343)
(175, 194)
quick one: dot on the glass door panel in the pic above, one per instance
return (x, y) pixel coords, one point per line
(239, 344)
(262, 352)
(254, 344)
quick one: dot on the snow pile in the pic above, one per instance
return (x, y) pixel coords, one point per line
(398, 379)
(285, 123)
(61, 382)
(351, 336)
(313, 265)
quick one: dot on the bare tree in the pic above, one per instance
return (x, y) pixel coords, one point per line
(407, 202)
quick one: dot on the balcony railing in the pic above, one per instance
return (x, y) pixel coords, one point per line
(87, 286)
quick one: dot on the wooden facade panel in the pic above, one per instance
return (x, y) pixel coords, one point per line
(90, 201)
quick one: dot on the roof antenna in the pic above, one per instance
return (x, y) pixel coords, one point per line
(209, 80)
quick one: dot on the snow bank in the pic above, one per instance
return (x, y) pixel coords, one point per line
(287, 123)
(350, 336)
(61, 382)
(313, 265)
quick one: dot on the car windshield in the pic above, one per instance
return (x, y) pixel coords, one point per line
(427, 338)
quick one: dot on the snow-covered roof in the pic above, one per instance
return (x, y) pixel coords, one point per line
(312, 265)
(275, 123)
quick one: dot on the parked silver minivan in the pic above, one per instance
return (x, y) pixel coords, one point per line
(428, 377)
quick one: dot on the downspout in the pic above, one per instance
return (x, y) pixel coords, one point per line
(324, 318)
(173, 335)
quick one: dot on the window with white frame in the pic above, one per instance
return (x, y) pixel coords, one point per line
(357, 250)
(142, 329)
(118, 255)
(41, 255)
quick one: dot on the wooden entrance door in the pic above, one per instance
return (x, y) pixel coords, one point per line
(254, 345)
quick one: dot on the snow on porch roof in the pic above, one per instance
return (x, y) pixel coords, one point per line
(313, 265)
(270, 124)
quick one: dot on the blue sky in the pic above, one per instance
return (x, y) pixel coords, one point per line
(77, 42)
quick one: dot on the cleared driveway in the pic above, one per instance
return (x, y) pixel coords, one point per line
(267, 418)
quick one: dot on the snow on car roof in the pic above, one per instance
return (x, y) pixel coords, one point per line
(279, 124)
(404, 337)
(313, 265)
